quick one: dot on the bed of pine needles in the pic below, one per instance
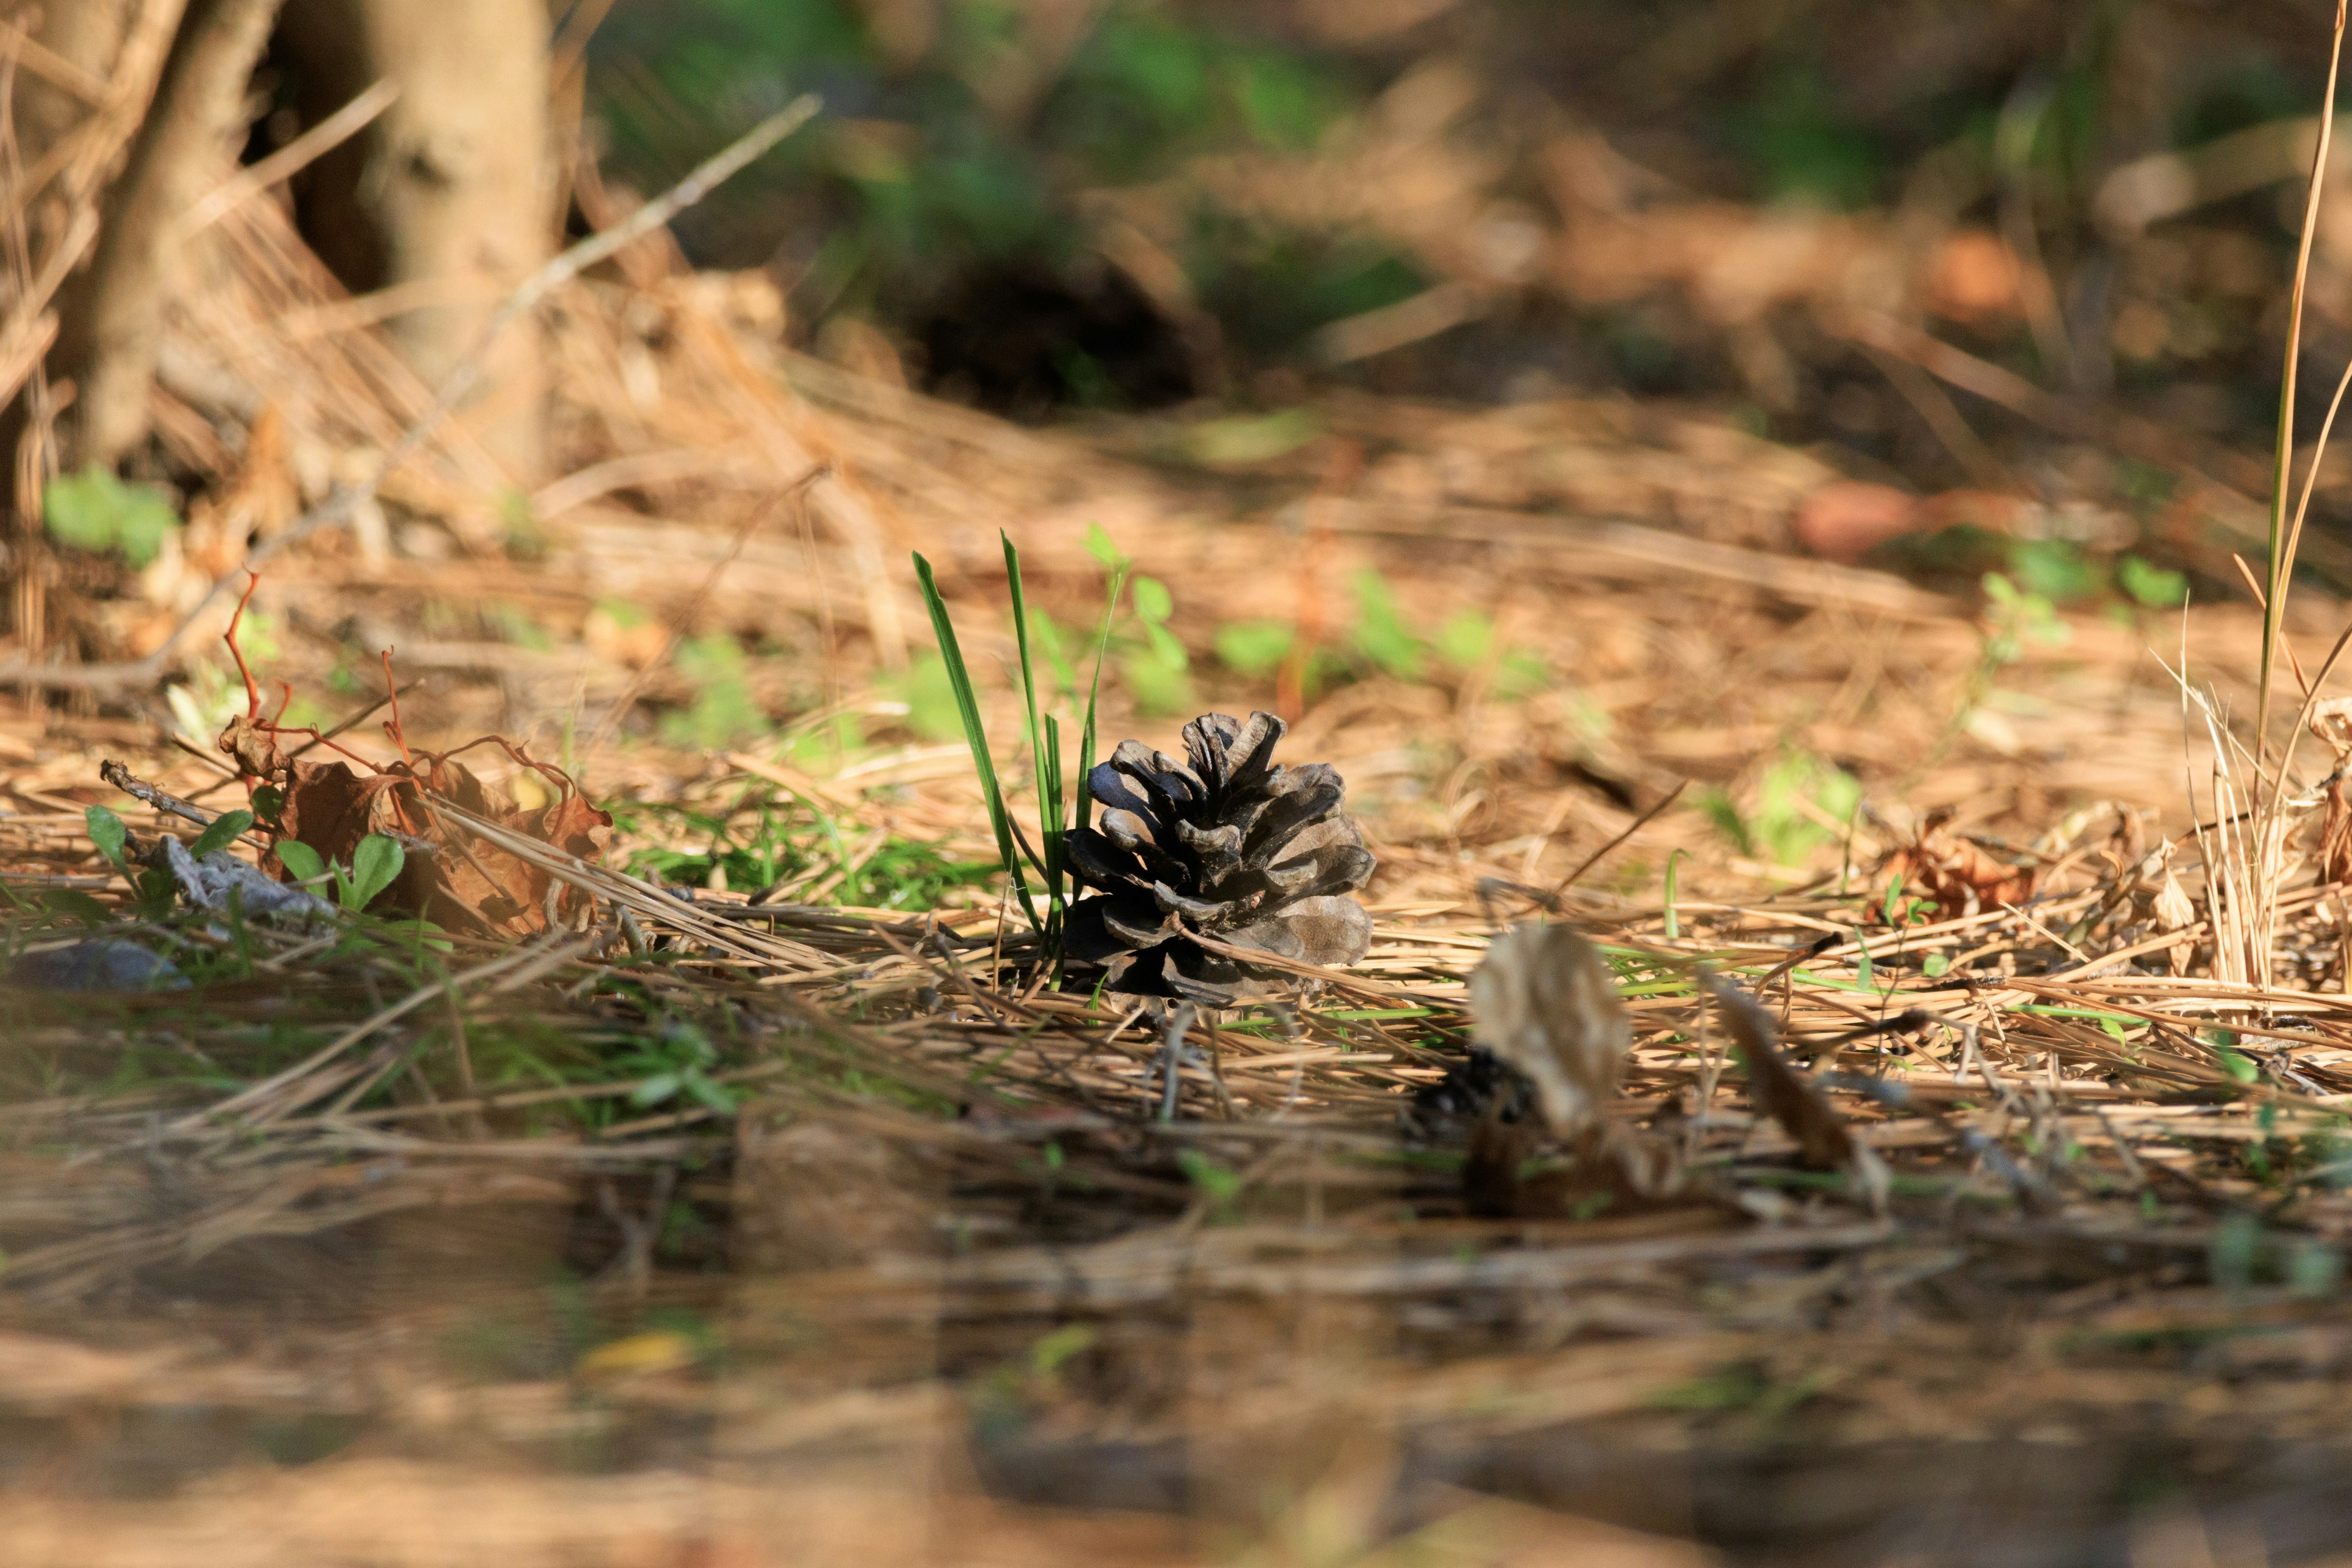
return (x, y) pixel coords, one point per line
(778, 1186)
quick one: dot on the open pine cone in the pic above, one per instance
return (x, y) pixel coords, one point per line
(1233, 848)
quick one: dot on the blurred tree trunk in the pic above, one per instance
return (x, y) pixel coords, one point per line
(81, 246)
(111, 320)
(448, 192)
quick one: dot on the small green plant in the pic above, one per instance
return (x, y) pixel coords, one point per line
(723, 713)
(1468, 642)
(1218, 1185)
(1796, 796)
(375, 865)
(1153, 663)
(1254, 648)
(1044, 735)
(676, 1065)
(928, 693)
(1465, 644)
(96, 512)
(2151, 586)
(2057, 569)
(153, 885)
(1381, 635)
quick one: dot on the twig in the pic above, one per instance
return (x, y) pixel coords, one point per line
(139, 789)
(339, 507)
(299, 153)
(1631, 827)
(684, 620)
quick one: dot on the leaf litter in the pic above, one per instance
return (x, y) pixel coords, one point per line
(2044, 1174)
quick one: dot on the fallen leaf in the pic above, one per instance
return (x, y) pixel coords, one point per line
(1848, 519)
(1957, 877)
(2173, 911)
(1974, 278)
(1542, 1002)
(1779, 1090)
(460, 882)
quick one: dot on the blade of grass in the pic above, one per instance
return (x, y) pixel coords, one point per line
(1094, 691)
(968, 706)
(1041, 760)
(2283, 541)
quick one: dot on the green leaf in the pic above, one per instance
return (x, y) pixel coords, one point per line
(1153, 601)
(222, 831)
(268, 804)
(1381, 633)
(2151, 585)
(1157, 688)
(107, 831)
(714, 1095)
(375, 866)
(1100, 546)
(1094, 691)
(929, 692)
(1165, 647)
(2057, 569)
(1044, 746)
(1242, 440)
(1220, 1183)
(724, 712)
(1254, 647)
(1464, 640)
(95, 510)
(2238, 1065)
(301, 862)
(654, 1091)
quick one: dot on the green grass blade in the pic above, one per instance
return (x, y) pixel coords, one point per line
(968, 705)
(1094, 689)
(1042, 761)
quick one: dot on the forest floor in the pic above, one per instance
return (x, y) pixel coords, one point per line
(799, 1216)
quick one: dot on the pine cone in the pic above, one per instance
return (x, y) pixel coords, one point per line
(1233, 848)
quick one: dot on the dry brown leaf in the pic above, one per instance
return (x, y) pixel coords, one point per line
(1846, 520)
(1957, 877)
(2173, 911)
(1543, 1003)
(467, 883)
(1974, 278)
(1779, 1090)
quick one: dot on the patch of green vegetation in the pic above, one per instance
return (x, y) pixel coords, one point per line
(1273, 286)
(1802, 144)
(723, 713)
(773, 842)
(2151, 586)
(928, 695)
(939, 164)
(1779, 825)
(96, 510)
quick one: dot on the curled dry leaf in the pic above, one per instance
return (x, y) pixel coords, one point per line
(2332, 721)
(1542, 1002)
(1957, 876)
(2173, 911)
(466, 883)
(1847, 519)
(1779, 1090)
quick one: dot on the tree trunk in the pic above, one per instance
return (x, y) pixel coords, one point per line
(113, 322)
(447, 194)
(74, 107)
